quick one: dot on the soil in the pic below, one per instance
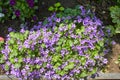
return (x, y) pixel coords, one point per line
(112, 57)
(101, 9)
(113, 67)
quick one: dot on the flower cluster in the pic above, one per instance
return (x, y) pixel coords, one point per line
(21, 9)
(57, 48)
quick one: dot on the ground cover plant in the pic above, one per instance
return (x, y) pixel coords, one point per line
(57, 7)
(21, 9)
(67, 45)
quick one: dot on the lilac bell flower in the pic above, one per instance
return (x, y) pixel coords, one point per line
(105, 61)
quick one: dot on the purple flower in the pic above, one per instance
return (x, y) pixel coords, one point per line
(80, 52)
(106, 51)
(42, 70)
(113, 42)
(58, 20)
(23, 72)
(34, 18)
(86, 21)
(64, 51)
(56, 76)
(49, 66)
(105, 61)
(10, 29)
(22, 30)
(30, 3)
(89, 63)
(17, 13)
(26, 44)
(12, 2)
(83, 10)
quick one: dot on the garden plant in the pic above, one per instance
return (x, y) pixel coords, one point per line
(66, 45)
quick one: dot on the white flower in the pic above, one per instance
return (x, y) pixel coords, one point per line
(2, 15)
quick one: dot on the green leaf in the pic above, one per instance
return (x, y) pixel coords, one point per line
(11, 41)
(57, 65)
(83, 74)
(22, 18)
(43, 45)
(58, 4)
(23, 6)
(14, 16)
(20, 59)
(117, 29)
(76, 42)
(56, 58)
(62, 73)
(26, 33)
(61, 8)
(12, 59)
(45, 22)
(35, 1)
(0, 9)
(82, 28)
(56, 9)
(83, 60)
(6, 67)
(44, 64)
(69, 26)
(36, 7)
(38, 66)
(58, 48)
(59, 43)
(17, 65)
(101, 43)
(94, 70)
(70, 43)
(6, 3)
(2, 60)
(51, 8)
(69, 66)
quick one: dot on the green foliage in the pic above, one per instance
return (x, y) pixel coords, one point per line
(73, 12)
(56, 7)
(1, 55)
(8, 10)
(69, 12)
(115, 15)
(118, 2)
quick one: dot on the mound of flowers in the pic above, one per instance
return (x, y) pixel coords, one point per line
(67, 47)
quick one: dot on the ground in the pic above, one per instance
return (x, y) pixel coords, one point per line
(101, 9)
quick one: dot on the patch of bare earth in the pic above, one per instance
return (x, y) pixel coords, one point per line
(113, 66)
